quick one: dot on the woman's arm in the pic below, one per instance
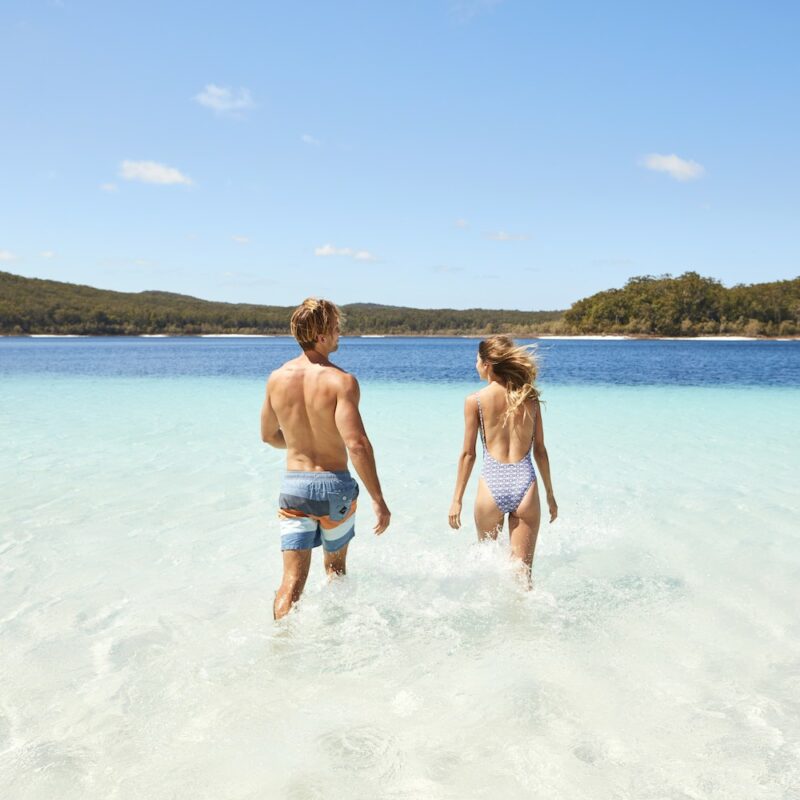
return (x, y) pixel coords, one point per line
(542, 461)
(466, 461)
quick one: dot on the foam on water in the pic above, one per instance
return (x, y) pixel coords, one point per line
(657, 657)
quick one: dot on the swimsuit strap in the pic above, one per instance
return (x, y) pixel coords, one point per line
(480, 414)
(533, 435)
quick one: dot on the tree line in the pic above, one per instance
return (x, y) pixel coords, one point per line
(688, 305)
(34, 306)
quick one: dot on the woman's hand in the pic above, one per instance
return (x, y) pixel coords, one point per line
(552, 505)
(455, 515)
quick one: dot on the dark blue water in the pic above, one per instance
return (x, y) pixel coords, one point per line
(626, 362)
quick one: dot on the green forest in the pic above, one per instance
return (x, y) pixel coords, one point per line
(31, 305)
(688, 305)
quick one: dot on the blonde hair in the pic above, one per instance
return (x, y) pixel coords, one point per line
(312, 318)
(515, 366)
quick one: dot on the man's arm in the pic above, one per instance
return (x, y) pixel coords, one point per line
(351, 429)
(271, 432)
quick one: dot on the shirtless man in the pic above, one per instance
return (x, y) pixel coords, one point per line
(311, 410)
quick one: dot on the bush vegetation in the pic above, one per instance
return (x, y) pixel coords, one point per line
(31, 305)
(689, 305)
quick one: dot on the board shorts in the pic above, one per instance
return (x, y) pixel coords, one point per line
(317, 508)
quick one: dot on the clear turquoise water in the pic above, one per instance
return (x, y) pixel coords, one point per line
(657, 657)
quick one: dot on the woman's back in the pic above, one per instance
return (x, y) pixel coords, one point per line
(511, 442)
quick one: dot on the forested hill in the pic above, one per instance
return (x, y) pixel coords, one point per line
(30, 305)
(689, 305)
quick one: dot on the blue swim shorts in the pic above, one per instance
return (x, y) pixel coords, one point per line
(317, 508)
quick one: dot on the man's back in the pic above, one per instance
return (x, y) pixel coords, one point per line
(311, 410)
(304, 397)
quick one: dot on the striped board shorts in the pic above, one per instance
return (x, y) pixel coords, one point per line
(317, 508)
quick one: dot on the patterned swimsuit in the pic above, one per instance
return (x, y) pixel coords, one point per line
(507, 483)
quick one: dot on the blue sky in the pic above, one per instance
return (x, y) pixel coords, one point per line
(498, 154)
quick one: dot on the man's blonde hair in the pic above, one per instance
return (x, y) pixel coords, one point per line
(312, 318)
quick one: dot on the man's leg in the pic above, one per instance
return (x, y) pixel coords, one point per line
(335, 563)
(295, 571)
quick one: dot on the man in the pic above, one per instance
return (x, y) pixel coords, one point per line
(311, 410)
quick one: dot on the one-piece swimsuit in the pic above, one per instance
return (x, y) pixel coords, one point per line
(507, 483)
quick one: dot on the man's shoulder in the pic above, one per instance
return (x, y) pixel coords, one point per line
(281, 373)
(340, 378)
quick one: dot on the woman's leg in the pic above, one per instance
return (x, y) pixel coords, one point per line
(488, 517)
(523, 528)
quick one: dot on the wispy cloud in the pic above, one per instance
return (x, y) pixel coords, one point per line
(461, 223)
(241, 239)
(676, 167)
(48, 254)
(307, 138)
(467, 10)
(222, 100)
(7, 255)
(446, 269)
(349, 252)
(504, 236)
(108, 187)
(152, 172)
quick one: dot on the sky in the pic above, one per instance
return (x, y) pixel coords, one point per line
(475, 153)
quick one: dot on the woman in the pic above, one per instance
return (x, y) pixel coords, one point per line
(507, 414)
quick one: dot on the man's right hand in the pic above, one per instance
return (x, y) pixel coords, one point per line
(382, 516)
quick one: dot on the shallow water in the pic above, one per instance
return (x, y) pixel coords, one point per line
(657, 657)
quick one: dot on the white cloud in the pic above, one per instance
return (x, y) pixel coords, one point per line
(7, 255)
(223, 100)
(152, 172)
(108, 187)
(241, 239)
(330, 250)
(678, 168)
(47, 254)
(504, 236)
(309, 139)
(462, 223)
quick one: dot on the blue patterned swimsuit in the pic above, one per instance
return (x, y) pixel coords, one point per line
(507, 483)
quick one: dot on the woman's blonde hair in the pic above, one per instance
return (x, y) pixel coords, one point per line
(312, 318)
(515, 366)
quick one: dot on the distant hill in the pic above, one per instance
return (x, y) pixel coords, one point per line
(688, 305)
(31, 305)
